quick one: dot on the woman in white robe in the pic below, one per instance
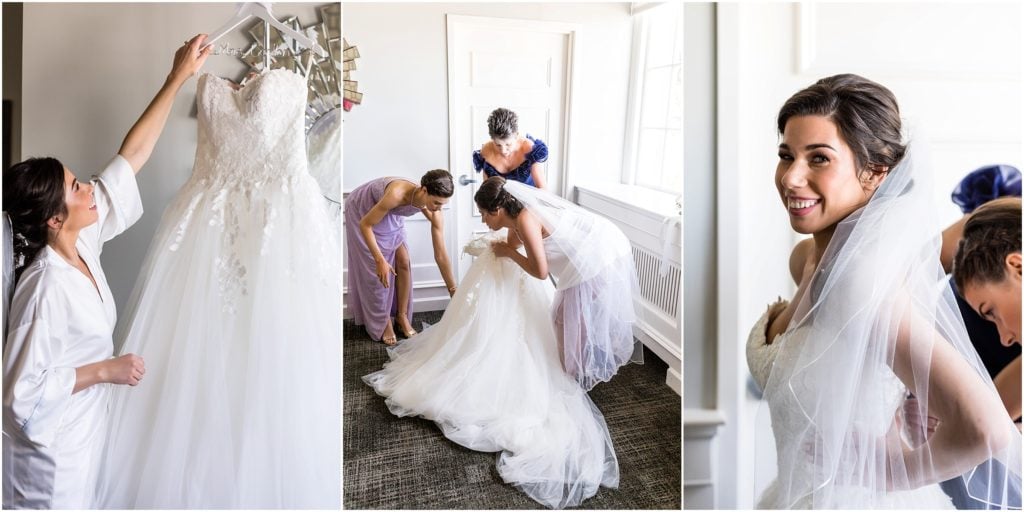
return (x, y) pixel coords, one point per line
(58, 347)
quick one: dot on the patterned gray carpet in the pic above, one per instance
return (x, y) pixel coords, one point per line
(405, 463)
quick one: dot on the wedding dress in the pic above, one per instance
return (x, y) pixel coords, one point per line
(236, 315)
(883, 393)
(489, 375)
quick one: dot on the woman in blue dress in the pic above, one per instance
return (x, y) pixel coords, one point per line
(511, 155)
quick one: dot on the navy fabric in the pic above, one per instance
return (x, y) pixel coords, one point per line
(522, 174)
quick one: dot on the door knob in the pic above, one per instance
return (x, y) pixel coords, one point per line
(465, 180)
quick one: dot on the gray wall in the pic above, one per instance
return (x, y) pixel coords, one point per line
(12, 71)
(401, 128)
(700, 281)
(89, 70)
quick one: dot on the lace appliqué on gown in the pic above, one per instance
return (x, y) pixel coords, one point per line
(787, 418)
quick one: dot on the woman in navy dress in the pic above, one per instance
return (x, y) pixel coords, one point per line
(509, 154)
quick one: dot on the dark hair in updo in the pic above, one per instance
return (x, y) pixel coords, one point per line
(502, 123)
(865, 113)
(990, 234)
(492, 195)
(438, 183)
(33, 194)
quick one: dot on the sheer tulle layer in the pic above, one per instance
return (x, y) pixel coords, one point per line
(489, 375)
(596, 332)
(853, 497)
(236, 317)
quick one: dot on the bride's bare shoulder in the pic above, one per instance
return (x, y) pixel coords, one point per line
(798, 258)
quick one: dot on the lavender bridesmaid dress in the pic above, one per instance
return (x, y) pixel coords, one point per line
(372, 304)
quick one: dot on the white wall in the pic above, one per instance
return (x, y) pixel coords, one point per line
(401, 128)
(89, 70)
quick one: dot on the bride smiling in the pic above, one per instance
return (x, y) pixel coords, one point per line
(872, 342)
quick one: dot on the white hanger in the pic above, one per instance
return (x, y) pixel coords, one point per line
(262, 11)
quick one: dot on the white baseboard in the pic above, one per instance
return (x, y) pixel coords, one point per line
(419, 304)
(674, 381)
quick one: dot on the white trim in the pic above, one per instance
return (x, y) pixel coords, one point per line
(634, 197)
(634, 107)
(636, 66)
(674, 380)
(570, 72)
(807, 35)
(636, 8)
(735, 461)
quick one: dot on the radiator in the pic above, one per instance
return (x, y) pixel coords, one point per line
(661, 292)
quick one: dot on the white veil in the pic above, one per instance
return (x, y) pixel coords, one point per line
(595, 275)
(880, 301)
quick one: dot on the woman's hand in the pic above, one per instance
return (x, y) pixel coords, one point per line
(188, 59)
(918, 429)
(452, 290)
(502, 249)
(138, 144)
(127, 369)
(383, 269)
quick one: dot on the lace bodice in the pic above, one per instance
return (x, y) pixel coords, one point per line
(780, 356)
(253, 133)
(790, 392)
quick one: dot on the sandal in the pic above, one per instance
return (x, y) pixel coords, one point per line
(389, 340)
(410, 333)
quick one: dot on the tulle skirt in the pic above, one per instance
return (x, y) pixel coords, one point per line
(594, 321)
(236, 315)
(489, 375)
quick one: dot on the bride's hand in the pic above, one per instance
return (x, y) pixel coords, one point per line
(502, 249)
(917, 430)
(125, 370)
(383, 269)
(188, 59)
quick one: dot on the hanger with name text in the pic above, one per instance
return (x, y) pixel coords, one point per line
(261, 10)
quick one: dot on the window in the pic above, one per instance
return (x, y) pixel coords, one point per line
(654, 154)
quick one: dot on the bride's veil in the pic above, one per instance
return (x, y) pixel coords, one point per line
(597, 280)
(878, 301)
(570, 227)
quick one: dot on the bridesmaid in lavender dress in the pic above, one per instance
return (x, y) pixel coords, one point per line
(379, 270)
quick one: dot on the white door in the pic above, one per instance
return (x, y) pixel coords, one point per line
(521, 65)
(955, 70)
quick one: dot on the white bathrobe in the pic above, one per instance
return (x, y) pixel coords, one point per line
(58, 321)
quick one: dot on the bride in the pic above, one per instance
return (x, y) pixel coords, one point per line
(872, 342)
(489, 375)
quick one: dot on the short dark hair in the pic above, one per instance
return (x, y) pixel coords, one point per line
(492, 195)
(865, 112)
(33, 194)
(438, 183)
(991, 233)
(502, 123)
